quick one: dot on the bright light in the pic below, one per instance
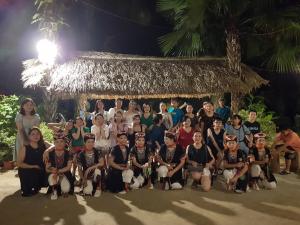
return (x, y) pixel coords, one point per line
(47, 51)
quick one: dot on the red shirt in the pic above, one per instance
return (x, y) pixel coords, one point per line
(185, 138)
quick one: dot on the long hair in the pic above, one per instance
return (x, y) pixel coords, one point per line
(96, 105)
(22, 110)
(41, 142)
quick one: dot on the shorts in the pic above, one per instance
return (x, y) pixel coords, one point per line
(290, 155)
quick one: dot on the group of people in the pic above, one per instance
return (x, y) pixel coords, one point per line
(123, 150)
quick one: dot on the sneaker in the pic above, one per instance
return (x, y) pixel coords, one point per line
(150, 186)
(122, 192)
(238, 191)
(255, 187)
(194, 185)
(167, 186)
(284, 172)
(97, 193)
(54, 195)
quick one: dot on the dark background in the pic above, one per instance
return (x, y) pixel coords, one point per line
(120, 26)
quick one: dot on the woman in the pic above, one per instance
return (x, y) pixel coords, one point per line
(260, 168)
(243, 134)
(90, 162)
(101, 132)
(119, 173)
(235, 166)
(200, 160)
(130, 113)
(25, 120)
(194, 120)
(117, 126)
(215, 140)
(171, 158)
(147, 116)
(166, 117)
(135, 128)
(141, 157)
(185, 133)
(59, 166)
(30, 163)
(99, 108)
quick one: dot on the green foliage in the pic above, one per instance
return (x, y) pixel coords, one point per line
(47, 133)
(9, 106)
(264, 116)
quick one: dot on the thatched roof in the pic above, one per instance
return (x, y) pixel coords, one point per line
(107, 75)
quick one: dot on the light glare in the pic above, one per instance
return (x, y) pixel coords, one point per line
(47, 51)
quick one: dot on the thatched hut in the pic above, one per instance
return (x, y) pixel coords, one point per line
(108, 76)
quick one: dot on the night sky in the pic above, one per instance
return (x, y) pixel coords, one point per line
(120, 26)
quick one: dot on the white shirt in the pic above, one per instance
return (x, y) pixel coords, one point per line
(101, 141)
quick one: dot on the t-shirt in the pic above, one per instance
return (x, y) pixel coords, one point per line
(240, 133)
(101, 142)
(208, 123)
(292, 140)
(253, 127)
(200, 156)
(147, 121)
(78, 142)
(224, 113)
(185, 138)
(177, 115)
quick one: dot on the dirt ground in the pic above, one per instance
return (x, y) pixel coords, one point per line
(147, 207)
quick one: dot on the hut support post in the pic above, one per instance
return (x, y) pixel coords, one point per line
(50, 105)
(236, 99)
(81, 102)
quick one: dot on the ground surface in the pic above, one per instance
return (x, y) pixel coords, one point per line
(147, 207)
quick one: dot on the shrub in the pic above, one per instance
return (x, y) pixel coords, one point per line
(47, 133)
(264, 116)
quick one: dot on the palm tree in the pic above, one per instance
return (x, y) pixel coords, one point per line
(255, 30)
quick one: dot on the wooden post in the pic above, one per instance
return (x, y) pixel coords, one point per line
(236, 99)
(50, 105)
(81, 102)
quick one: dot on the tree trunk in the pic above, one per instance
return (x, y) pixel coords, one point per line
(233, 51)
(236, 99)
(50, 105)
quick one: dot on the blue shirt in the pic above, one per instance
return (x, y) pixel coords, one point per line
(177, 115)
(224, 113)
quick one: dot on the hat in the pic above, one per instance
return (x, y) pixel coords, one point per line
(170, 135)
(121, 134)
(230, 138)
(139, 135)
(260, 135)
(88, 136)
(59, 134)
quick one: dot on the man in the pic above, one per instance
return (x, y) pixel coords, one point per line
(289, 142)
(223, 111)
(251, 123)
(176, 113)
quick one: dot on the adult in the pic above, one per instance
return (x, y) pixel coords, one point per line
(194, 120)
(30, 163)
(185, 133)
(130, 113)
(99, 108)
(119, 174)
(61, 181)
(200, 159)
(157, 133)
(90, 162)
(206, 120)
(243, 134)
(118, 107)
(171, 158)
(176, 113)
(223, 111)
(147, 116)
(141, 156)
(251, 123)
(101, 131)
(260, 169)
(235, 166)
(135, 128)
(167, 120)
(116, 127)
(25, 120)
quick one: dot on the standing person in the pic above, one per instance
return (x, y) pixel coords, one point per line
(119, 173)
(176, 113)
(25, 120)
(235, 166)
(289, 142)
(206, 121)
(77, 143)
(260, 169)
(59, 166)
(31, 167)
(243, 134)
(141, 156)
(130, 113)
(99, 108)
(118, 107)
(171, 158)
(185, 133)
(136, 127)
(117, 126)
(251, 123)
(223, 111)
(90, 162)
(215, 140)
(147, 116)
(200, 160)
(194, 120)
(166, 116)
(157, 133)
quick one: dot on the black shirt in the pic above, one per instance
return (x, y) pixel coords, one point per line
(253, 127)
(200, 156)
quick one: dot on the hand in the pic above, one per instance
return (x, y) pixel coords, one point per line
(146, 165)
(36, 167)
(170, 173)
(88, 170)
(54, 170)
(240, 164)
(46, 157)
(194, 164)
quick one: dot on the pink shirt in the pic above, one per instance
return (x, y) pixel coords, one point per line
(292, 139)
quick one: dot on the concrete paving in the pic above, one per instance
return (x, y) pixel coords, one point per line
(148, 207)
